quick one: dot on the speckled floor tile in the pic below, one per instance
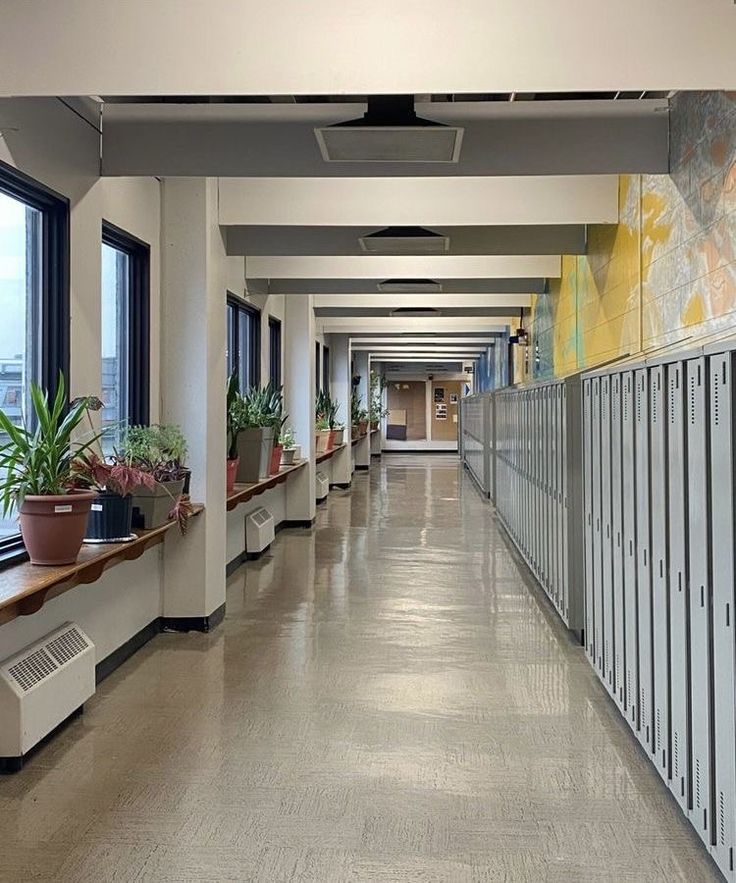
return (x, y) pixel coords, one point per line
(386, 700)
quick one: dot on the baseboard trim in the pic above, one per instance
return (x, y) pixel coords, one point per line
(306, 523)
(193, 623)
(419, 451)
(115, 659)
(360, 467)
(341, 485)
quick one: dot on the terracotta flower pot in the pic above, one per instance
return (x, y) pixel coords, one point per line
(232, 471)
(53, 527)
(322, 439)
(331, 440)
(276, 459)
(363, 427)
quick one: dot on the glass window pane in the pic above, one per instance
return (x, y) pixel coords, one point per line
(20, 280)
(115, 294)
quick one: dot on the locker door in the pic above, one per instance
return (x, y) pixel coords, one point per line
(698, 539)
(660, 598)
(562, 504)
(598, 641)
(677, 587)
(628, 513)
(643, 564)
(606, 537)
(722, 556)
(616, 543)
(588, 513)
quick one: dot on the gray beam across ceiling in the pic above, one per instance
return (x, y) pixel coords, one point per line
(235, 141)
(306, 240)
(333, 312)
(370, 286)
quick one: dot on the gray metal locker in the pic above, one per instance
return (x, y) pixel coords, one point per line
(566, 573)
(628, 512)
(617, 566)
(588, 513)
(660, 597)
(606, 535)
(722, 552)
(698, 542)
(643, 565)
(598, 642)
(677, 586)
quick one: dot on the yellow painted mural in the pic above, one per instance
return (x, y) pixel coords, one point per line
(666, 273)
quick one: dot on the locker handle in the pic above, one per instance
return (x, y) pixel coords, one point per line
(645, 557)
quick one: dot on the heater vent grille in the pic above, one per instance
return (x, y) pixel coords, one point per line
(399, 144)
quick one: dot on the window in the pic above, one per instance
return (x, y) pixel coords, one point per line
(317, 365)
(34, 304)
(125, 333)
(274, 351)
(244, 342)
(326, 369)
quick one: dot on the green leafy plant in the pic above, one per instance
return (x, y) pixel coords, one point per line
(378, 384)
(112, 475)
(172, 443)
(357, 412)
(236, 415)
(287, 438)
(38, 459)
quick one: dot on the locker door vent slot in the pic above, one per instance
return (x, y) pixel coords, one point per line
(675, 755)
(721, 819)
(697, 783)
(714, 398)
(658, 732)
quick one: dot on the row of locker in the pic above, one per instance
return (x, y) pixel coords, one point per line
(659, 501)
(476, 439)
(538, 486)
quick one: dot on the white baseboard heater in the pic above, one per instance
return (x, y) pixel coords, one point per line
(323, 486)
(40, 687)
(260, 531)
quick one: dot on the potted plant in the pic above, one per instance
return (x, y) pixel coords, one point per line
(114, 480)
(276, 417)
(236, 422)
(376, 410)
(174, 449)
(255, 439)
(358, 415)
(154, 505)
(323, 433)
(288, 447)
(36, 465)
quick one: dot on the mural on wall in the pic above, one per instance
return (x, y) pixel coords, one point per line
(666, 273)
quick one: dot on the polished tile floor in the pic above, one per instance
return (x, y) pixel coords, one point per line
(386, 701)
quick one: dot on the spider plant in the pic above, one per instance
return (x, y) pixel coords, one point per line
(38, 457)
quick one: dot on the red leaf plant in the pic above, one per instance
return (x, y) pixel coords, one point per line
(116, 476)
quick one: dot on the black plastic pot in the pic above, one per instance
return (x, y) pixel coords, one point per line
(110, 518)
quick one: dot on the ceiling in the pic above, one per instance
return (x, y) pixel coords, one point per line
(419, 263)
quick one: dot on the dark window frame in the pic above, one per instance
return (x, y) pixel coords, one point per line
(139, 320)
(274, 351)
(317, 365)
(326, 369)
(53, 297)
(238, 307)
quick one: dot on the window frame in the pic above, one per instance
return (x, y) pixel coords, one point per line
(138, 253)
(238, 306)
(317, 365)
(274, 351)
(54, 309)
(326, 368)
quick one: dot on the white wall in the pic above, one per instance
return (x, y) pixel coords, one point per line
(60, 150)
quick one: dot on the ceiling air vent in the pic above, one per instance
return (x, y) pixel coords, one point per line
(410, 286)
(405, 240)
(390, 131)
(411, 312)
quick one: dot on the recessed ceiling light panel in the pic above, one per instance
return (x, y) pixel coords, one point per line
(409, 286)
(405, 240)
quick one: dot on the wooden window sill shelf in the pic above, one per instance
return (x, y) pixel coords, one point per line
(25, 588)
(326, 455)
(245, 492)
(359, 438)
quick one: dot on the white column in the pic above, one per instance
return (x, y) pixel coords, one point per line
(362, 451)
(298, 348)
(193, 387)
(340, 387)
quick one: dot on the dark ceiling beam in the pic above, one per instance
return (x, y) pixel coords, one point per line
(312, 240)
(369, 286)
(596, 144)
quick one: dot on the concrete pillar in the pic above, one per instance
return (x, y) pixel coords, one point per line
(298, 347)
(362, 450)
(193, 389)
(340, 389)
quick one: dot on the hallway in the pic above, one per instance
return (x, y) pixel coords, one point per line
(387, 700)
